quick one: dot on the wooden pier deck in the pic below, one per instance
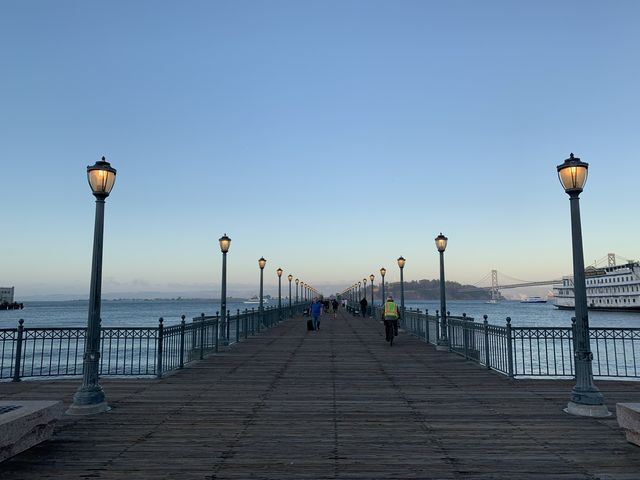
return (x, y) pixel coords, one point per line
(338, 404)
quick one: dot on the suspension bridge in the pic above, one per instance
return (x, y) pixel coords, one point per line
(506, 282)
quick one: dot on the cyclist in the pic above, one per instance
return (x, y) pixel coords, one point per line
(390, 315)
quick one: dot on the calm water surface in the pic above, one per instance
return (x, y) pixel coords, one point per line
(528, 314)
(146, 313)
(116, 313)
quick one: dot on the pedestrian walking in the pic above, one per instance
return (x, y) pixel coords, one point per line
(316, 311)
(363, 306)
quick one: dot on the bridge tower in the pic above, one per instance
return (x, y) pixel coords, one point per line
(495, 294)
(611, 259)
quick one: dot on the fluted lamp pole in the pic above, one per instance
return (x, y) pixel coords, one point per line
(364, 294)
(586, 399)
(371, 277)
(261, 263)
(225, 243)
(90, 397)
(279, 273)
(383, 272)
(443, 341)
(297, 282)
(401, 262)
(290, 278)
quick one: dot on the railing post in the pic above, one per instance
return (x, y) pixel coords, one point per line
(259, 322)
(253, 320)
(465, 336)
(217, 329)
(201, 336)
(237, 325)
(159, 349)
(246, 323)
(509, 348)
(426, 325)
(449, 330)
(182, 329)
(487, 359)
(16, 370)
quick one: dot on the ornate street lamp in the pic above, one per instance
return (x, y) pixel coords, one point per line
(297, 282)
(371, 277)
(261, 263)
(443, 341)
(290, 277)
(383, 272)
(225, 243)
(401, 262)
(279, 272)
(586, 399)
(364, 294)
(90, 397)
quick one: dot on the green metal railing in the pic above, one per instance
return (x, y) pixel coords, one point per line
(530, 351)
(129, 351)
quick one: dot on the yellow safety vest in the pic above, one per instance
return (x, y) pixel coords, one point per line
(390, 310)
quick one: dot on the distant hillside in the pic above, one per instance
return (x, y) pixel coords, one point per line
(430, 290)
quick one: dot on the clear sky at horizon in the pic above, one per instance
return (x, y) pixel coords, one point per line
(329, 137)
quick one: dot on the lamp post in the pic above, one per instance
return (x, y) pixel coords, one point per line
(261, 263)
(279, 272)
(297, 282)
(371, 277)
(225, 242)
(90, 397)
(359, 290)
(383, 272)
(443, 341)
(401, 262)
(586, 399)
(364, 294)
(290, 277)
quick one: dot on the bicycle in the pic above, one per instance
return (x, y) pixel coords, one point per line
(390, 330)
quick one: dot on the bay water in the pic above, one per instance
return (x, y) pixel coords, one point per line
(145, 313)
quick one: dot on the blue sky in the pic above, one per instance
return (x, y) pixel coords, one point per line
(329, 137)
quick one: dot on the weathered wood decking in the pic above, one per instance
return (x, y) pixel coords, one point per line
(337, 404)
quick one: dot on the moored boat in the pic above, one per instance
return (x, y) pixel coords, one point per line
(615, 287)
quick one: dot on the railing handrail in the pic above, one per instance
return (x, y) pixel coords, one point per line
(128, 350)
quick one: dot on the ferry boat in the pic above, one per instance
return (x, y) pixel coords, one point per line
(255, 299)
(615, 287)
(534, 300)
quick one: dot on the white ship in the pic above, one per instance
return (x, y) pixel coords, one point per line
(255, 299)
(615, 287)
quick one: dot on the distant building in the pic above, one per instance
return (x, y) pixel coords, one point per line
(6, 294)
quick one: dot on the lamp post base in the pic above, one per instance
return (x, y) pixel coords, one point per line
(582, 410)
(88, 401)
(442, 346)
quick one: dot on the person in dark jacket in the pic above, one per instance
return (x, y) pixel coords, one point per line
(363, 306)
